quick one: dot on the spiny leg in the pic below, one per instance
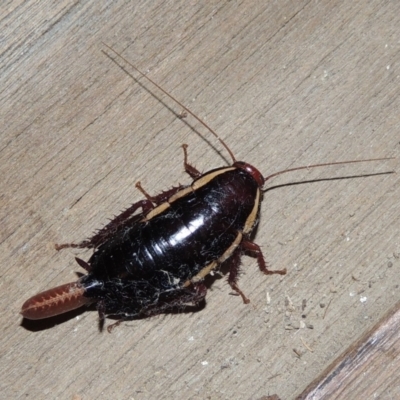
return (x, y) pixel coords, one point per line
(192, 171)
(159, 198)
(234, 263)
(111, 228)
(122, 219)
(164, 196)
(176, 299)
(168, 300)
(181, 297)
(256, 250)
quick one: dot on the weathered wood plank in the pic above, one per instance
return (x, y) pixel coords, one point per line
(285, 84)
(368, 369)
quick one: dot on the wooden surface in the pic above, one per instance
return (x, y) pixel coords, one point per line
(285, 84)
(358, 372)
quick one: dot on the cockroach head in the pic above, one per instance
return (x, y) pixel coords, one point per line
(254, 172)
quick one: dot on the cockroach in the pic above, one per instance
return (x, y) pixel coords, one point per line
(154, 256)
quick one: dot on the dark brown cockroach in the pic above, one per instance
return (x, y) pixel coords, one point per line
(150, 261)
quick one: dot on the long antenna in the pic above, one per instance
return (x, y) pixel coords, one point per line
(215, 133)
(326, 164)
(172, 98)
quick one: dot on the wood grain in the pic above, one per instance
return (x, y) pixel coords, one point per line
(285, 84)
(369, 368)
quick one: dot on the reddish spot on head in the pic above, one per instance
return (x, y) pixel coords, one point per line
(254, 172)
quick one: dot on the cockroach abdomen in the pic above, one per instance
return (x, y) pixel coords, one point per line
(58, 300)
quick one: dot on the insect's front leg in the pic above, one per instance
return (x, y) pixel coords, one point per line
(255, 249)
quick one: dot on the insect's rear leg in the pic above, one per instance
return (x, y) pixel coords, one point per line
(123, 219)
(178, 298)
(255, 249)
(167, 301)
(110, 229)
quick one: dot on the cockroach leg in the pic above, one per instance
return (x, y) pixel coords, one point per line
(111, 327)
(168, 300)
(164, 196)
(236, 288)
(122, 219)
(178, 298)
(111, 228)
(101, 309)
(234, 263)
(194, 294)
(192, 171)
(149, 198)
(234, 269)
(80, 245)
(160, 198)
(255, 249)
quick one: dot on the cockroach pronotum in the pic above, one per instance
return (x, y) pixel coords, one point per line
(154, 256)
